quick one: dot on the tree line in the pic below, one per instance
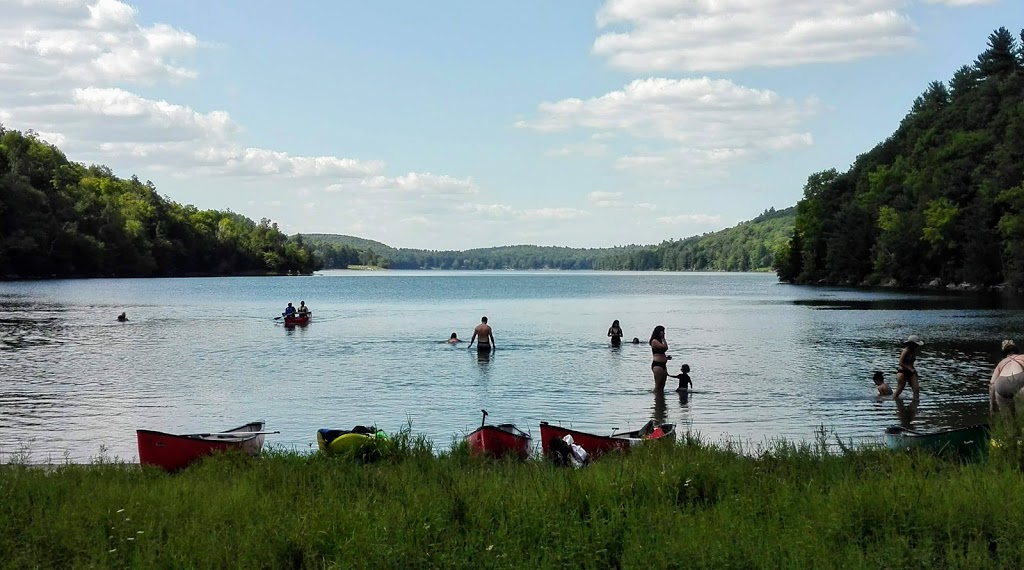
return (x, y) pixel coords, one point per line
(749, 246)
(63, 219)
(940, 201)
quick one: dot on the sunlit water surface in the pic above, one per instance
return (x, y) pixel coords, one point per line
(768, 360)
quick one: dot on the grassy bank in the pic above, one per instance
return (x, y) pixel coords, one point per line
(687, 505)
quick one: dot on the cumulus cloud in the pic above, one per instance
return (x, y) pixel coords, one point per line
(703, 121)
(717, 35)
(695, 219)
(67, 65)
(722, 35)
(505, 212)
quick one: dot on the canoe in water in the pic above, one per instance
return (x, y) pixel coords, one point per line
(298, 320)
(966, 442)
(172, 452)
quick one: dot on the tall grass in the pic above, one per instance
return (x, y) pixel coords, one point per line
(687, 505)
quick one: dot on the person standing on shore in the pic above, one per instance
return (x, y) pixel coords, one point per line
(483, 336)
(659, 363)
(906, 371)
(615, 332)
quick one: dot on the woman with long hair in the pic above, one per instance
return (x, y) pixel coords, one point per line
(906, 372)
(615, 332)
(659, 363)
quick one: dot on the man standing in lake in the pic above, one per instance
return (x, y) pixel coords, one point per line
(483, 336)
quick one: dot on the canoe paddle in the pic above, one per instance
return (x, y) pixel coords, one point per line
(483, 419)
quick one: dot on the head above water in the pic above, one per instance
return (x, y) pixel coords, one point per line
(658, 333)
(878, 378)
(636, 340)
(483, 320)
(615, 324)
(685, 369)
(1009, 347)
(454, 336)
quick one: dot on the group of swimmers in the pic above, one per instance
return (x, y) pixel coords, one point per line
(659, 364)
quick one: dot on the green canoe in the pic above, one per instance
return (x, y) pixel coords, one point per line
(965, 443)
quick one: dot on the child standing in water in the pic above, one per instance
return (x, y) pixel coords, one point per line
(883, 388)
(684, 378)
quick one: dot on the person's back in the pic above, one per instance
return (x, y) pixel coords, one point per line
(303, 309)
(880, 384)
(289, 310)
(483, 335)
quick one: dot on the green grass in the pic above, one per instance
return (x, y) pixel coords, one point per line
(687, 505)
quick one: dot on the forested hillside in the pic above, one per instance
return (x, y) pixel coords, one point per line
(940, 201)
(748, 246)
(745, 247)
(63, 219)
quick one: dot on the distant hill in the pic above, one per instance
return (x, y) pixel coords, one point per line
(350, 241)
(748, 246)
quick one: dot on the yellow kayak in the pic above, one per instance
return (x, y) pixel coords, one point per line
(337, 441)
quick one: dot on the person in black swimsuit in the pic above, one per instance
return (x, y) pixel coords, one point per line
(906, 371)
(615, 332)
(659, 363)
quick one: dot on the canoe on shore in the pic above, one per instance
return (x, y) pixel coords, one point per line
(172, 452)
(504, 440)
(965, 442)
(596, 445)
(298, 320)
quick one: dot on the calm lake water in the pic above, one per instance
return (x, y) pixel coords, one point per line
(768, 360)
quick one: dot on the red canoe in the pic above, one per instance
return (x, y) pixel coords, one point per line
(599, 444)
(172, 452)
(500, 441)
(296, 320)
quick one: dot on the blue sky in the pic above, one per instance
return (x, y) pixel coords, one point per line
(469, 124)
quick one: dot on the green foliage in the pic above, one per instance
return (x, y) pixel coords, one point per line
(685, 505)
(63, 219)
(922, 205)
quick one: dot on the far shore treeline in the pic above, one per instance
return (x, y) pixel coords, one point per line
(63, 219)
(749, 246)
(938, 203)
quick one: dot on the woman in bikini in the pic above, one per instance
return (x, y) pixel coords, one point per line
(906, 371)
(615, 332)
(659, 364)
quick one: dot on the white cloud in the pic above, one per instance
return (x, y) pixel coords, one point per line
(605, 199)
(589, 149)
(694, 219)
(720, 35)
(65, 63)
(505, 212)
(701, 122)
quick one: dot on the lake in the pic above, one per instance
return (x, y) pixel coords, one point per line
(768, 360)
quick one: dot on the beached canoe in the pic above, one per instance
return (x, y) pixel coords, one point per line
(298, 320)
(504, 440)
(339, 441)
(965, 442)
(596, 445)
(172, 452)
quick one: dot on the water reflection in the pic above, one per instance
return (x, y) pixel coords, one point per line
(906, 412)
(659, 408)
